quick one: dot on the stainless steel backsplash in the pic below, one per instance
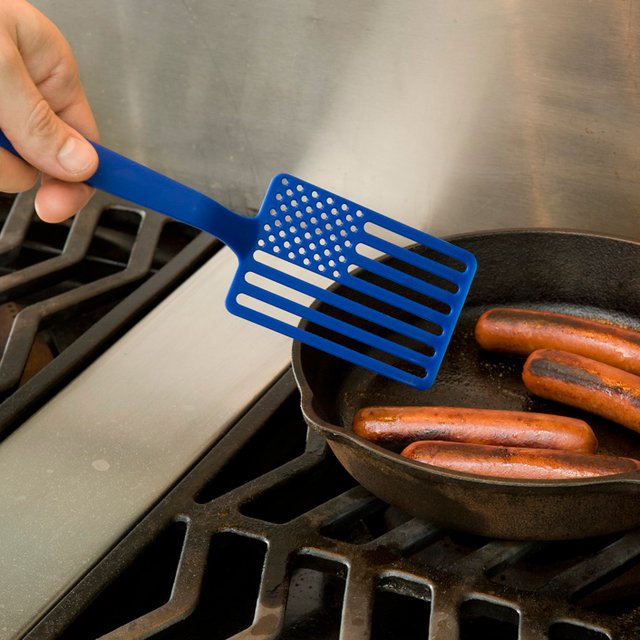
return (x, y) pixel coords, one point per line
(453, 115)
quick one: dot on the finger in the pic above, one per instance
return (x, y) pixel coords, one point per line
(63, 91)
(41, 137)
(51, 64)
(57, 200)
(16, 175)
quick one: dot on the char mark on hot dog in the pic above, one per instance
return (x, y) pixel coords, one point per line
(586, 384)
(522, 331)
(516, 462)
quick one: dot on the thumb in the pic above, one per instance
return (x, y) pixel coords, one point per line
(51, 145)
(42, 138)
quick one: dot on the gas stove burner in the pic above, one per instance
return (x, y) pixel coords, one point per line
(268, 537)
(39, 354)
(58, 281)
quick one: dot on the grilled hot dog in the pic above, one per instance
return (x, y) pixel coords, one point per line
(522, 331)
(516, 462)
(397, 426)
(585, 383)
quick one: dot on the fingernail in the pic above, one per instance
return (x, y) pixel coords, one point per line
(76, 156)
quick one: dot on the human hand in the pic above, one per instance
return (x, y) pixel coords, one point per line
(44, 113)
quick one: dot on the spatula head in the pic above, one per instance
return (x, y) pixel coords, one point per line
(352, 282)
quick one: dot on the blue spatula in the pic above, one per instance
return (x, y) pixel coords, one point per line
(394, 317)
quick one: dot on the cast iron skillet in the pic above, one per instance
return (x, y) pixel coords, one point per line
(564, 271)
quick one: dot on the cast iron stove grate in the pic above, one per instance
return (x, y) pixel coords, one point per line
(268, 537)
(68, 290)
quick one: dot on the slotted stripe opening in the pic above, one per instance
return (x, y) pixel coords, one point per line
(365, 313)
(397, 301)
(297, 289)
(400, 240)
(408, 264)
(375, 293)
(368, 339)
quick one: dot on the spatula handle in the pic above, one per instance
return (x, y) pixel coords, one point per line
(136, 183)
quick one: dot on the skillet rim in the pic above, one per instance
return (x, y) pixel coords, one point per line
(342, 434)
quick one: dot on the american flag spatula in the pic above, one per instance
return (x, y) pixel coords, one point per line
(394, 316)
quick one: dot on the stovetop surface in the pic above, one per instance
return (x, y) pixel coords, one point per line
(268, 536)
(265, 535)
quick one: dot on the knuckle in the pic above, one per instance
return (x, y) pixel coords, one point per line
(42, 121)
(66, 76)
